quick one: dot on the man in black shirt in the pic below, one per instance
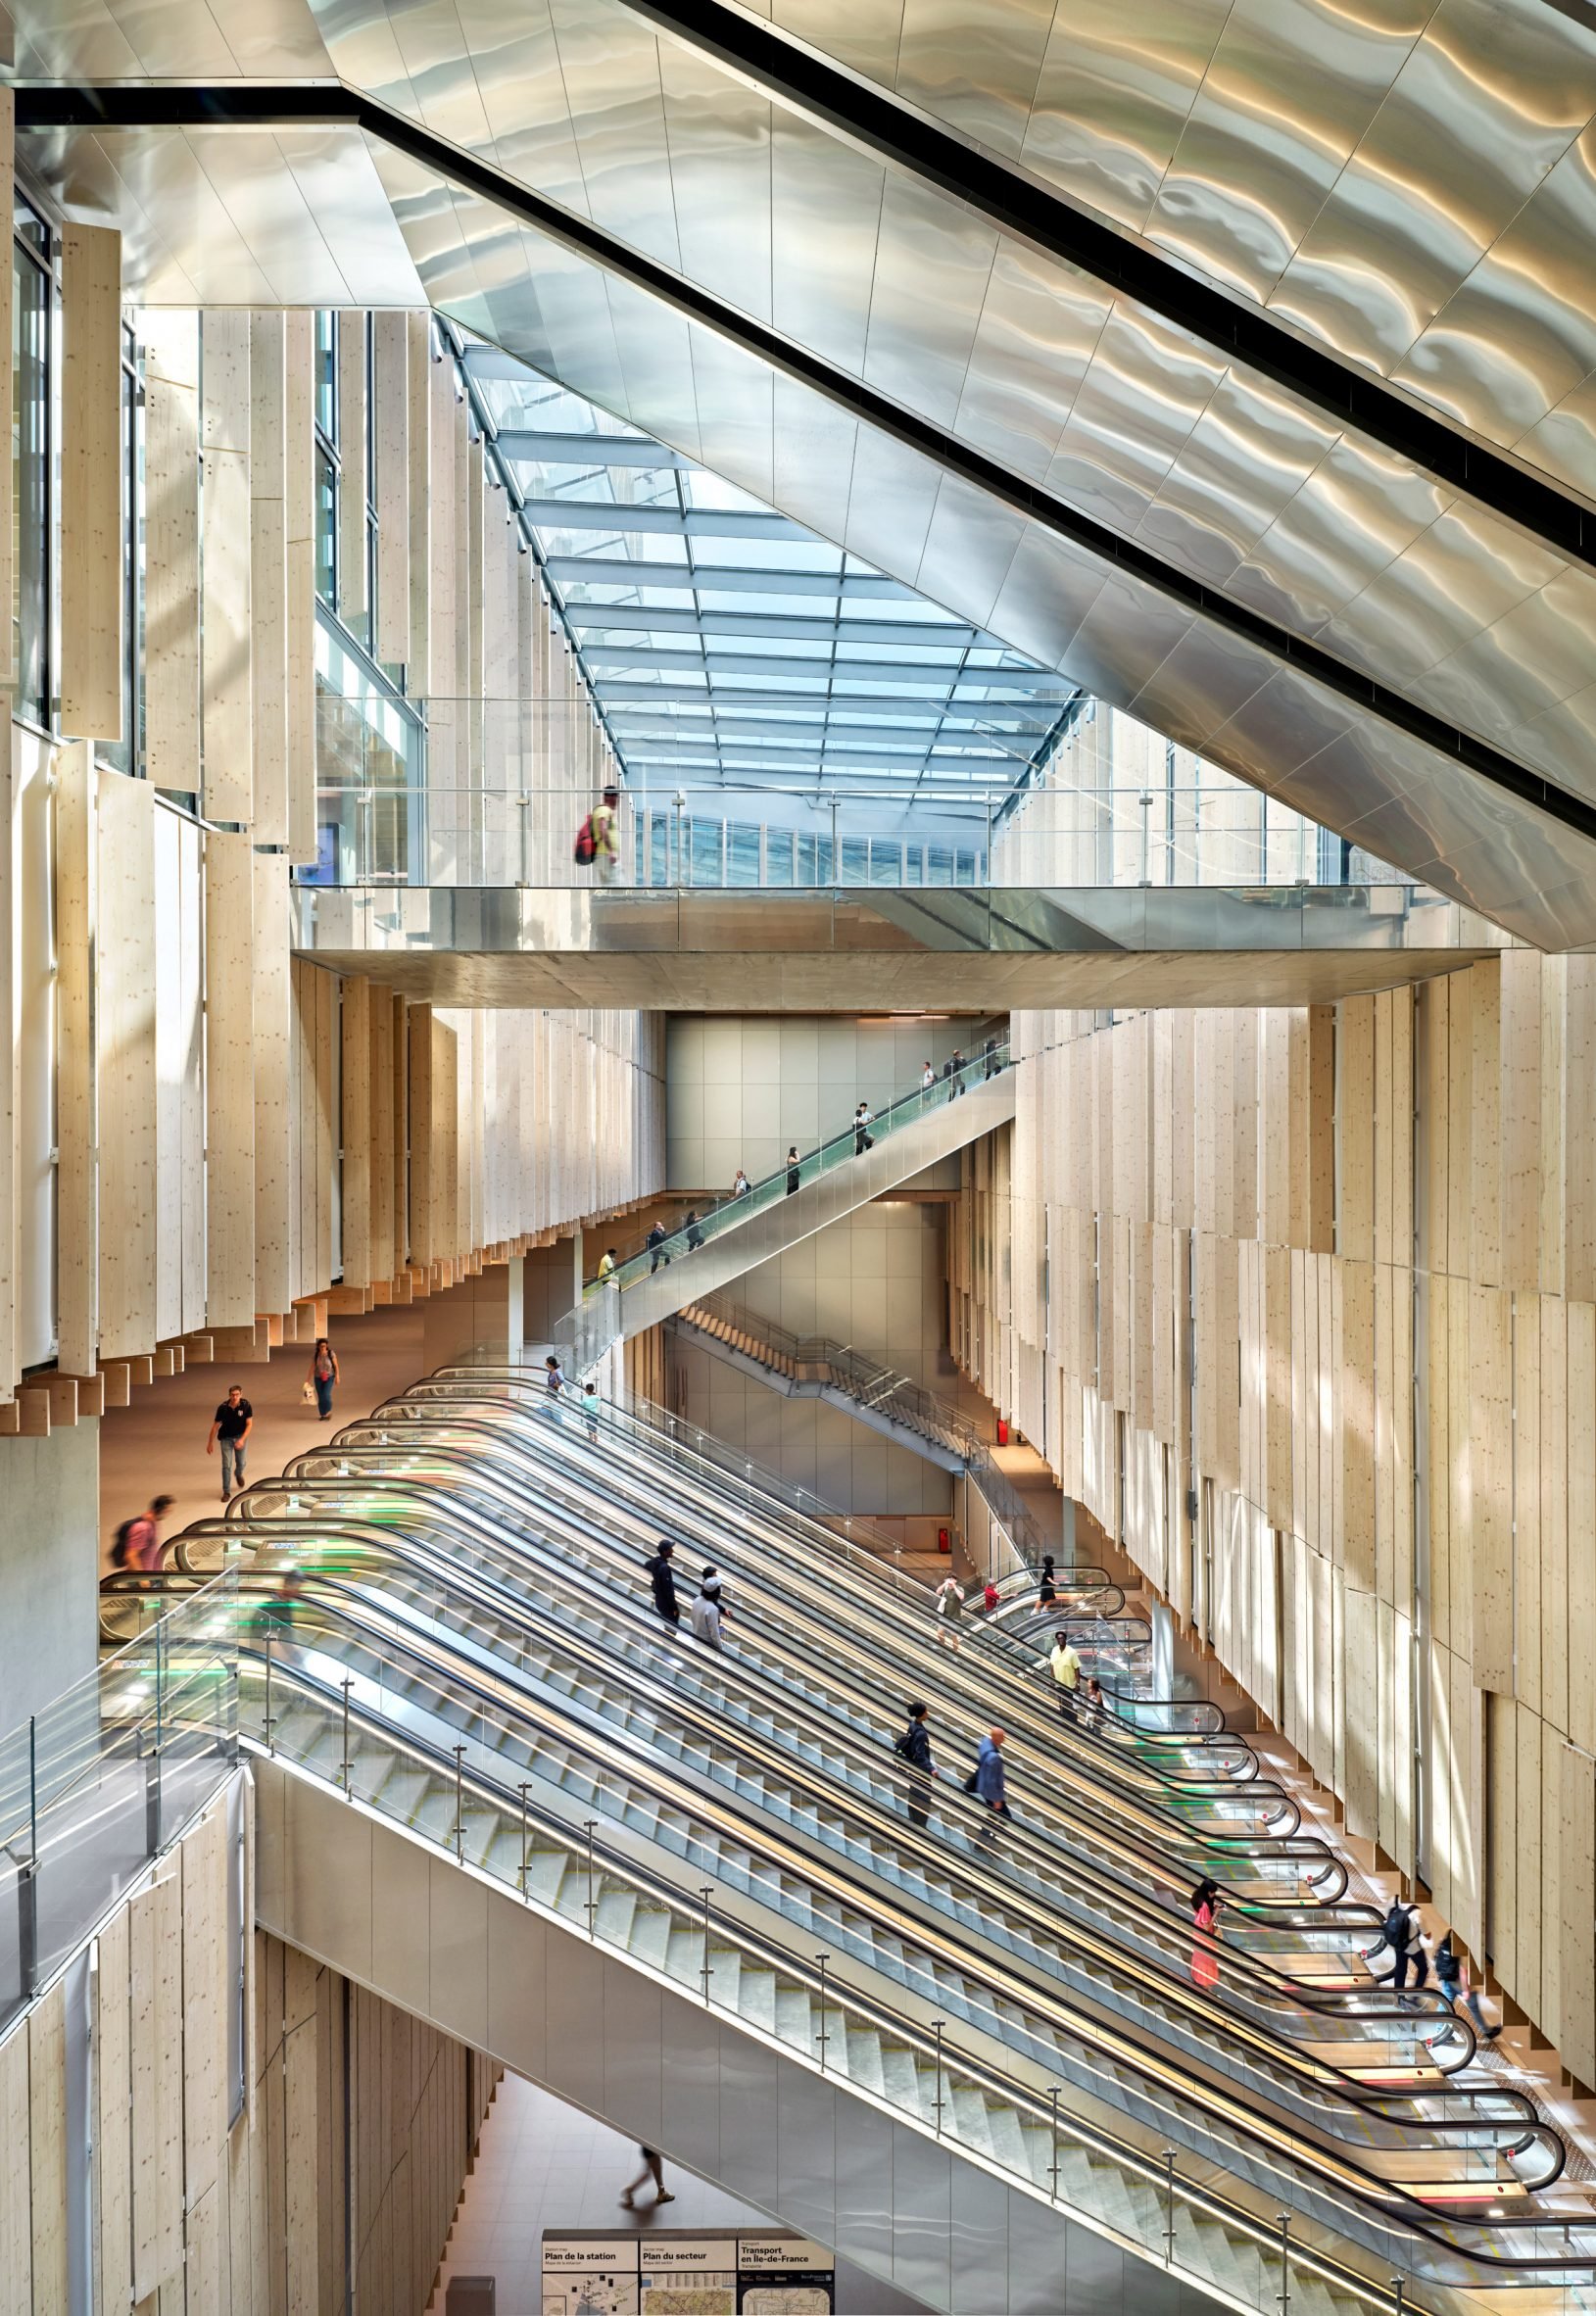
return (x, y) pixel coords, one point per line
(662, 1577)
(653, 1243)
(913, 1748)
(231, 1425)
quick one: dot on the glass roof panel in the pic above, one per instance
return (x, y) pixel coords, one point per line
(720, 638)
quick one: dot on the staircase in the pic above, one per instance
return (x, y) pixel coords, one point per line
(814, 1366)
(787, 1207)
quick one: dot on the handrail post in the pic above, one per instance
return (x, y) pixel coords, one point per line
(1284, 2295)
(938, 2027)
(706, 1973)
(525, 1830)
(824, 2035)
(1054, 2166)
(459, 1801)
(152, 1766)
(343, 1773)
(1169, 2206)
(27, 1887)
(266, 1731)
(591, 1828)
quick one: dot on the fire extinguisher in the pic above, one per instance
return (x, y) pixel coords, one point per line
(945, 1542)
(1002, 1431)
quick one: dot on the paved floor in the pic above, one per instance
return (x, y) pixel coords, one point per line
(157, 1445)
(546, 2165)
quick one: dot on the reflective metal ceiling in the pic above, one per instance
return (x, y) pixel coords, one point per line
(1255, 527)
(671, 578)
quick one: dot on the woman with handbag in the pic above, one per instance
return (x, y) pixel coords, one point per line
(321, 1377)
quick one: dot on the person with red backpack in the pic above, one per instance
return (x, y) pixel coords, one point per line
(598, 840)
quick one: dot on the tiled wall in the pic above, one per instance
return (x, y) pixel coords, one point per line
(740, 1088)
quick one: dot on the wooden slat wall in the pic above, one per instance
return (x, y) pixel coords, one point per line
(92, 593)
(269, 577)
(1392, 1216)
(126, 1065)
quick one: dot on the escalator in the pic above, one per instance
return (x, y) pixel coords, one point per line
(591, 1826)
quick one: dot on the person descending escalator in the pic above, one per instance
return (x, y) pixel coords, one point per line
(988, 1783)
(794, 1163)
(1401, 1937)
(1207, 1902)
(1064, 1664)
(695, 1231)
(662, 1577)
(707, 1609)
(1452, 1977)
(1047, 1589)
(912, 1746)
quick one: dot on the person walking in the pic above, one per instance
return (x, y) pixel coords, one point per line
(863, 1120)
(606, 825)
(991, 1784)
(1065, 1667)
(739, 1184)
(989, 1057)
(655, 1242)
(912, 1746)
(652, 2169)
(322, 1375)
(693, 1230)
(607, 1266)
(1046, 1590)
(1399, 1936)
(950, 1600)
(1205, 1904)
(705, 1615)
(136, 1545)
(791, 1169)
(662, 1578)
(231, 1424)
(956, 1070)
(1452, 1978)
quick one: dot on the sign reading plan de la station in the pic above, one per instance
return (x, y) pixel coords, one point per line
(698, 2272)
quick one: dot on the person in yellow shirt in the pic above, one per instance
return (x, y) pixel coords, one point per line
(1065, 1667)
(605, 822)
(607, 1266)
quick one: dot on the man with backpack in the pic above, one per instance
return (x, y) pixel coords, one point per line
(1402, 1935)
(136, 1546)
(913, 1746)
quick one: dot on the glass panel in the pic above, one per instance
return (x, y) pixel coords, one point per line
(326, 375)
(742, 853)
(326, 529)
(705, 841)
(779, 856)
(886, 862)
(855, 869)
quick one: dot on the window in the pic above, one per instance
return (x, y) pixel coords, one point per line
(32, 318)
(326, 528)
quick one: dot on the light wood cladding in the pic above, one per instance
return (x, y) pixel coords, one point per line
(299, 552)
(352, 328)
(391, 479)
(78, 1190)
(229, 1081)
(92, 590)
(1394, 1296)
(275, 1219)
(125, 1064)
(227, 553)
(269, 576)
(171, 562)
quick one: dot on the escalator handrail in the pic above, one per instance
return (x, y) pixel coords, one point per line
(1017, 2094)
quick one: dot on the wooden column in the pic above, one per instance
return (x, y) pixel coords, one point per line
(229, 1081)
(422, 1147)
(125, 953)
(269, 580)
(7, 269)
(92, 593)
(299, 546)
(392, 486)
(274, 1216)
(228, 705)
(357, 1132)
(171, 572)
(78, 1196)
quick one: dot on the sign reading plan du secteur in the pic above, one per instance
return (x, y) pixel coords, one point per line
(615, 2272)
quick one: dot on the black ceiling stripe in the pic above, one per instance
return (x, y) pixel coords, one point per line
(169, 105)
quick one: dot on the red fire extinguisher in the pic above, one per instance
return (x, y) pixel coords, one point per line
(945, 1542)
(1002, 1431)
